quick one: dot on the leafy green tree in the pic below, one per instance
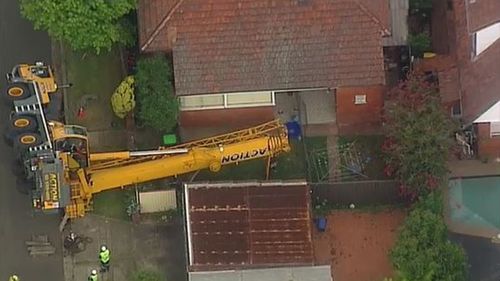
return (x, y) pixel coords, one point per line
(123, 100)
(418, 137)
(423, 252)
(158, 106)
(84, 24)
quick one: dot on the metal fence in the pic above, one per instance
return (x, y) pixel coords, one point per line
(360, 193)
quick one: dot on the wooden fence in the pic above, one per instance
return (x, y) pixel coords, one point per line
(360, 193)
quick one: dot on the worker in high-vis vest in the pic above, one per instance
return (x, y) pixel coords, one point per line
(14, 278)
(104, 258)
(93, 275)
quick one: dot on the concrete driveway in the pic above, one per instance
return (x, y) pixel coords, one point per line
(19, 43)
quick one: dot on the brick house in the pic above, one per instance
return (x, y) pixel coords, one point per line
(466, 37)
(241, 62)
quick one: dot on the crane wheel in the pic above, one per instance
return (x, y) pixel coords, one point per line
(16, 91)
(22, 123)
(27, 140)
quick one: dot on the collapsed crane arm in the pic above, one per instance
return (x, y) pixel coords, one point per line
(195, 159)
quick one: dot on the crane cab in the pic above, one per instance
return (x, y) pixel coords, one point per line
(71, 140)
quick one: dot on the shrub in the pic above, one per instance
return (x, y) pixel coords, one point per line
(158, 106)
(123, 100)
(419, 43)
(423, 251)
(418, 137)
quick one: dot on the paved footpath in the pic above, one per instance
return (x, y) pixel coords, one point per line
(133, 247)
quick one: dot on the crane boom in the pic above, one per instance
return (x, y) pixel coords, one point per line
(195, 159)
(87, 182)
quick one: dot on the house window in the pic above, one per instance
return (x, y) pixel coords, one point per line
(456, 110)
(359, 99)
(249, 99)
(485, 37)
(228, 100)
(495, 129)
(202, 101)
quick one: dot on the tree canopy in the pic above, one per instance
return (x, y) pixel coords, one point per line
(418, 136)
(423, 251)
(84, 24)
(158, 106)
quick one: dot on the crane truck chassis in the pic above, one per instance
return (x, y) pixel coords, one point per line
(20, 79)
(65, 174)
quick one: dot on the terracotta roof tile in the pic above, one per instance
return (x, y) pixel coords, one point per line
(239, 45)
(150, 15)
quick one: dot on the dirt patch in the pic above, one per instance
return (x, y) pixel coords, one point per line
(357, 244)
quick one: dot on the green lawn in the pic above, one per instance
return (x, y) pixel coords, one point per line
(291, 165)
(113, 203)
(369, 148)
(94, 79)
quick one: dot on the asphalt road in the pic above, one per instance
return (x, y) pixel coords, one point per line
(20, 43)
(482, 255)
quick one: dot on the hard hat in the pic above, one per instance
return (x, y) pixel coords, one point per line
(103, 248)
(14, 278)
(93, 272)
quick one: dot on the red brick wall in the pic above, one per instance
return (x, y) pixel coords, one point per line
(359, 119)
(236, 117)
(487, 146)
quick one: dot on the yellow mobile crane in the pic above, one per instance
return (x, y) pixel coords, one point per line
(66, 175)
(20, 82)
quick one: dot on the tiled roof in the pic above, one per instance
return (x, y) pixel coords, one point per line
(242, 45)
(483, 13)
(150, 15)
(248, 225)
(479, 76)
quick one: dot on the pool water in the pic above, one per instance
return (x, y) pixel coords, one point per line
(475, 202)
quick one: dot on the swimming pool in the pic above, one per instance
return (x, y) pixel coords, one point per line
(473, 205)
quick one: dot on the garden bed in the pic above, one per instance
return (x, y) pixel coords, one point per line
(369, 154)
